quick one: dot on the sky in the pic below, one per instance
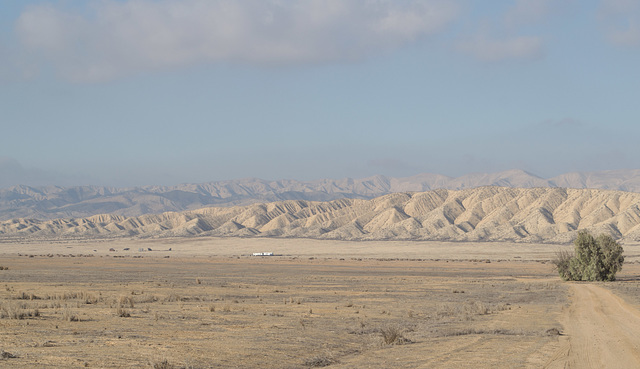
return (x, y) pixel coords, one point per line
(162, 92)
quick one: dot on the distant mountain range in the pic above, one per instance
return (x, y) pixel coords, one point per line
(478, 214)
(54, 202)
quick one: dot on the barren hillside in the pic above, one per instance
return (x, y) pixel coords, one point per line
(84, 201)
(480, 214)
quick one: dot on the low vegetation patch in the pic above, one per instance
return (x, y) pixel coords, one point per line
(7, 355)
(497, 332)
(393, 335)
(122, 312)
(319, 361)
(17, 311)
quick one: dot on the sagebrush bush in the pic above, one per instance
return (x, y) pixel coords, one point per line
(392, 335)
(595, 259)
(319, 361)
(122, 312)
(164, 364)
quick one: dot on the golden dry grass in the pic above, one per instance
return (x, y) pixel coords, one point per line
(206, 306)
(281, 312)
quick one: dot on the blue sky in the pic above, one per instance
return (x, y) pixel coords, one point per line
(136, 92)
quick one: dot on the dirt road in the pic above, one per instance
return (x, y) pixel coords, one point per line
(601, 331)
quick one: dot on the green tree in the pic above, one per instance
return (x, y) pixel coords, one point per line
(595, 259)
(612, 257)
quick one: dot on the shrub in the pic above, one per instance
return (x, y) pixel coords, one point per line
(122, 312)
(595, 259)
(392, 335)
(126, 301)
(69, 316)
(319, 361)
(562, 263)
(7, 355)
(164, 364)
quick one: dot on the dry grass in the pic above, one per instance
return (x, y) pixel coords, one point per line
(126, 301)
(122, 312)
(7, 355)
(319, 361)
(502, 332)
(312, 313)
(392, 335)
(69, 315)
(164, 364)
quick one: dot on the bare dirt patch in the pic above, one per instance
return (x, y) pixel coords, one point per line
(602, 331)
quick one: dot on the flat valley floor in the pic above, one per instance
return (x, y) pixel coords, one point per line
(208, 303)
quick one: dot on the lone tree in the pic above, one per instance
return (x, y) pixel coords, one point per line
(595, 259)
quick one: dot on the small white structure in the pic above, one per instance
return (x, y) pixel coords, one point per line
(263, 253)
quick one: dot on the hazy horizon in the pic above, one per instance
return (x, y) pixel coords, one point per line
(143, 92)
(37, 178)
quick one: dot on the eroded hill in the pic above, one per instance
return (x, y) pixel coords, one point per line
(480, 214)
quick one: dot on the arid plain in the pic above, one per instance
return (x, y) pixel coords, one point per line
(208, 303)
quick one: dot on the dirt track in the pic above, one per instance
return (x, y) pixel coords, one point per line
(601, 331)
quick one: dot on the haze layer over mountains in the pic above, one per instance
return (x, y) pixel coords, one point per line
(84, 201)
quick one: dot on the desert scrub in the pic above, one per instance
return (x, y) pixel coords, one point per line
(89, 298)
(84, 296)
(393, 335)
(123, 302)
(319, 361)
(126, 301)
(449, 332)
(7, 355)
(468, 309)
(145, 299)
(163, 364)
(173, 298)
(122, 312)
(69, 316)
(17, 311)
(27, 296)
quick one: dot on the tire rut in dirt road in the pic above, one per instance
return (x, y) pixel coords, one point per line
(602, 331)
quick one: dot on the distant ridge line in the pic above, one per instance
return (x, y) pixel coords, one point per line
(52, 202)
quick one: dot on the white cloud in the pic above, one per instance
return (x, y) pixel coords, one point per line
(492, 50)
(112, 38)
(499, 39)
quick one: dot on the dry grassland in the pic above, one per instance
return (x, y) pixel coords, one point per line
(278, 312)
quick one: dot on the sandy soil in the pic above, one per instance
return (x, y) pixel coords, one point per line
(230, 246)
(205, 305)
(601, 331)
